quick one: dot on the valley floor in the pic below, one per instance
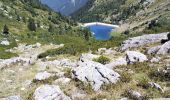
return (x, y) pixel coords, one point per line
(138, 72)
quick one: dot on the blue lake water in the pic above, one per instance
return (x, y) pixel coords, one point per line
(100, 32)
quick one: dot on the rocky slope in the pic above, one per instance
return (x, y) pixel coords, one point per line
(132, 73)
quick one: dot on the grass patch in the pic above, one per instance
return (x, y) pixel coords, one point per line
(46, 81)
(102, 59)
(3, 48)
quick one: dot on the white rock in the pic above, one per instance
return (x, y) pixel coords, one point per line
(157, 86)
(165, 48)
(118, 62)
(42, 76)
(62, 81)
(153, 50)
(94, 73)
(38, 45)
(88, 56)
(142, 40)
(155, 60)
(77, 93)
(135, 95)
(49, 92)
(161, 49)
(5, 42)
(133, 56)
(12, 98)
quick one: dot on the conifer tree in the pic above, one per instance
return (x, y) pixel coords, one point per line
(5, 30)
(31, 25)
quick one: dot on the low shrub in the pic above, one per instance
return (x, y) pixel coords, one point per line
(143, 82)
(71, 49)
(125, 77)
(102, 59)
(160, 75)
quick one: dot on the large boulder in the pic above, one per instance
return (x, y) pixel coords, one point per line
(95, 73)
(161, 49)
(142, 40)
(133, 56)
(165, 48)
(49, 92)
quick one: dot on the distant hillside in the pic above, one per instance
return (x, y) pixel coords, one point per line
(17, 13)
(130, 14)
(65, 7)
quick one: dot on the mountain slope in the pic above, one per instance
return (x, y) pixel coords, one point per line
(129, 14)
(65, 7)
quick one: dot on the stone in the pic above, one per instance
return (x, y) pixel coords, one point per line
(94, 73)
(49, 92)
(161, 49)
(133, 56)
(38, 45)
(153, 50)
(105, 51)
(165, 48)
(78, 94)
(88, 56)
(157, 86)
(135, 95)
(4, 42)
(142, 40)
(62, 80)
(17, 97)
(118, 62)
(11, 61)
(42, 76)
(155, 60)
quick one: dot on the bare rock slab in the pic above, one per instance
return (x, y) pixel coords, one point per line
(49, 92)
(95, 73)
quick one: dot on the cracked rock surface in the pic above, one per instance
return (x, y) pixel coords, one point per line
(95, 73)
(49, 92)
(142, 40)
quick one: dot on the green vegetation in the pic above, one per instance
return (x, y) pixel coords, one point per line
(158, 25)
(5, 30)
(126, 77)
(102, 59)
(3, 53)
(99, 10)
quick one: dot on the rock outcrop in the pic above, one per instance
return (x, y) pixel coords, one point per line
(12, 98)
(142, 40)
(130, 58)
(95, 73)
(133, 56)
(49, 92)
(161, 49)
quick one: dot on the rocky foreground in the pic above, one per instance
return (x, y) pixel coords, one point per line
(139, 69)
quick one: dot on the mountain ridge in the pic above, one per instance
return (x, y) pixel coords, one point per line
(65, 7)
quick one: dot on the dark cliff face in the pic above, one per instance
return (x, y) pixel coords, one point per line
(65, 7)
